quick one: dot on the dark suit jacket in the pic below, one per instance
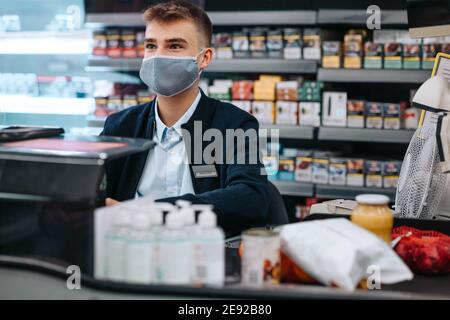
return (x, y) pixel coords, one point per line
(239, 194)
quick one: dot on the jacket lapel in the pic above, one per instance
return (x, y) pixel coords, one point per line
(203, 114)
(134, 165)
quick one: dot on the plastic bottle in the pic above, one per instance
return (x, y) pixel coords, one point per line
(191, 229)
(115, 240)
(209, 251)
(139, 250)
(175, 252)
(156, 230)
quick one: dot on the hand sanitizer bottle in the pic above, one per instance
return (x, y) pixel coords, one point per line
(156, 231)
(175, 252)
(191, 229)
(115, 240)
(209, 251)
(139, 250)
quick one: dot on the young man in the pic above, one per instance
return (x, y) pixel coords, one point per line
(177, 50)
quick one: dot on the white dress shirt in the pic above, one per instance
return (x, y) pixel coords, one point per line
(166, 172)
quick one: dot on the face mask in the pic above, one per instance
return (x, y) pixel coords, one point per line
(169, 75)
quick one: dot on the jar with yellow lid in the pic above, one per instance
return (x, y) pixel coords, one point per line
(372, 213)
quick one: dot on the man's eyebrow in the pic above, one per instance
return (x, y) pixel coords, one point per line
(176, 40)
(149, 40)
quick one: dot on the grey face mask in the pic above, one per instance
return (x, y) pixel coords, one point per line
(169, 75)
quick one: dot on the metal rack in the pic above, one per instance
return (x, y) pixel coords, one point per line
(218, 65)
(365, 135)
(373, 75)
(218, 18)
(359, 17)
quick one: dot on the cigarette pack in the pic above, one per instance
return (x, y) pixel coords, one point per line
(303, 166)
(355, 172)
(374, 177)
(411, 56)
(287, 90)
(113, 43)
(311, 44)
(374, 115)
(242, 90)
(334, 109)
(355, 113)
(331, 54)
(241, 45)
(391, 173)
(286, 112)
(373, 55)
(429, 52)
(258, 48)
(223, 45)
(393, 52)
(353, 51)
(337, 171)
(391, 114)
(275, 43)
(286, 168)
(309, 113)
(100, 44)
(320, 164)
(263, 111)
(128, 43)
(292, 39)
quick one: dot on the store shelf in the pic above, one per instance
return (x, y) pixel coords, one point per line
(365, 135)
(45, 105)
(292, 188)
(373, 75)
(294, 17)
(345, 192)
(218, 65)
(359, 17)
(95, 122)
(101, 64)
(263, 65)
(218, 18)
(291, 132)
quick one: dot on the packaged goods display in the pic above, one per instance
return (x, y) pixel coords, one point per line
(293, 43)
(374, 115)
(241, 45)
(331, 54)
(258, 45)
(337, 171)
(373, 55)
(374, 171)
(391, 116)
(311, 44)
(309, 113)
(334, 109)
(286, 112)
(355, 113)
(353, 49)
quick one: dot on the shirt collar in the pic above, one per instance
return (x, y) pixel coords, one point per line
(160, 126)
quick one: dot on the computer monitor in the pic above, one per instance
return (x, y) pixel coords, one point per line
(428, 18)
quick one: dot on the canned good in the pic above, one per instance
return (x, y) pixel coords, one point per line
(260, 257)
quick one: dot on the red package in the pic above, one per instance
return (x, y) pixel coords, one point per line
(424, 251)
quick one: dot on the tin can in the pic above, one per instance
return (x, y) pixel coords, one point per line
(260, 257)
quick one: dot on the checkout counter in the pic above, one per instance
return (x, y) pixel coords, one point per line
(49, 188)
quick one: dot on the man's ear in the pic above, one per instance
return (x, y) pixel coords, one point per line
(206, 58)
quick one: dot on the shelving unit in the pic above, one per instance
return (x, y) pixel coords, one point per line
(365, 135)
(373, 75)
(218, 65)
(359, 17)
(292, 132)
(291, 188)
(218, 18)
(346, 192)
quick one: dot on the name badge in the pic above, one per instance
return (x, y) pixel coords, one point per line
(205, 171)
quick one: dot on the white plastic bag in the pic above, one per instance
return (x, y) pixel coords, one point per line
(335, 251)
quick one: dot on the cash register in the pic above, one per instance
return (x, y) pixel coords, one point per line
(50, 184)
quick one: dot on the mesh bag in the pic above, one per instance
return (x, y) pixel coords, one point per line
(424, 251)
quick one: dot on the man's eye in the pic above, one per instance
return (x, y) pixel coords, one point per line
(175, 46)
(150, 46)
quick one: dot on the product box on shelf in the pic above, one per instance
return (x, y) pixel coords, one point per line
(115, 103)
(337, 171)
(311, 44)
(355, 172)
(334, 109)
(219, 92)
(140, 37)
(263, 111)
(287, 90)
(264, 90)
(241, 45)
(393, 55)
(374, 171)
(311, 91)
(258, 47)
(286, 168)
(374, 115)
(411, 56)
(355, 113)
(391, 173)
(391, 116)
(429, 51)
(245, 105)
(292, 39)
(100, 43)
(320, 165)
(353, 48)
(128, 43)
(373, 55)
(331, 54)
(275, 43)
(309, 113)
(223, 45)
(286, 112)
(303, 166)
(242, 90)
(113, 43)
